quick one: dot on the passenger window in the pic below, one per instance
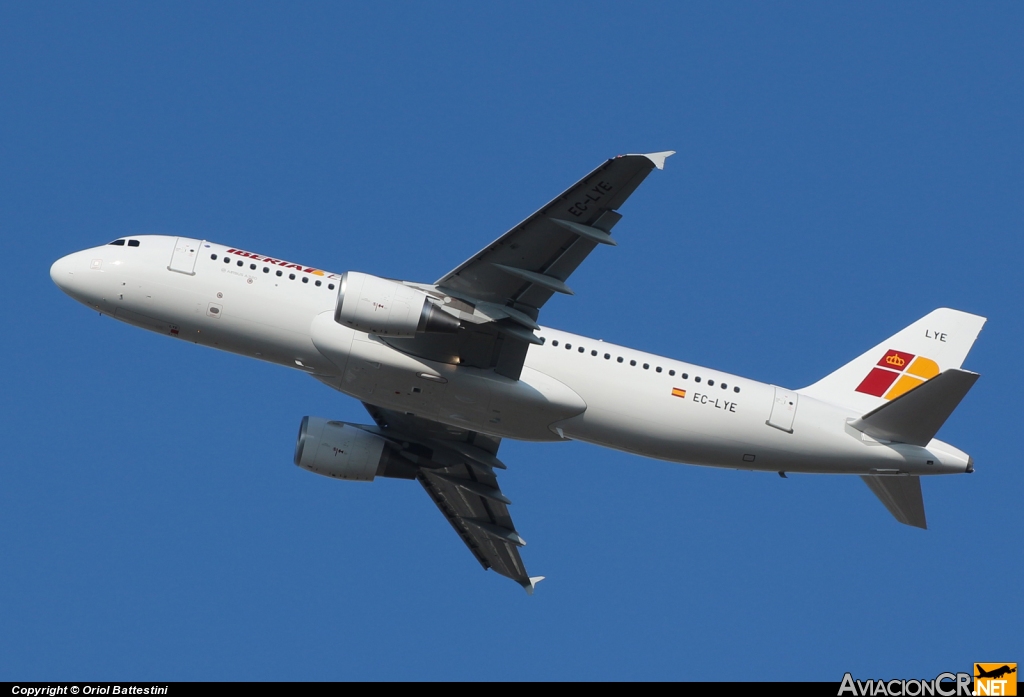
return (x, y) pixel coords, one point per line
(266, 270)
(214, 257)
(252, 267)
(240, 262)
(118, 243)
(646, 366)
(582, 349)
(632, 362)
(227, 260)
(658, 369)
(724, 386)
(280, 273)
(620, 359)
(305, 279)
(555, 342)
(736, 389)
(684, 376)
(711, 383)
(133, 243)
(330, 286)
(593, 353)
(697, 379)
(317, 284)
(291, 277)
(671, 372)
(568, 346)
(607, 356)
(542, 340)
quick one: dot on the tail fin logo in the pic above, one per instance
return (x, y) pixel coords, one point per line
(895, 360)
(995, 679)
(896, 373)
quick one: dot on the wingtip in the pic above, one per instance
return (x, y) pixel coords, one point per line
(658, 158)
(531, 584)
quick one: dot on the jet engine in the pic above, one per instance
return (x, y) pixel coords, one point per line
(379, 306)
(345, 451)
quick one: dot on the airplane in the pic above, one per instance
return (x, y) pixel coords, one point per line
(994, 673)
(448, 369)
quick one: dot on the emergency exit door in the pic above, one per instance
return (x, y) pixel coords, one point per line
(783, 409)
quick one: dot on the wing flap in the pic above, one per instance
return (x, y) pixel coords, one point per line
(456, 467)
(483, 523)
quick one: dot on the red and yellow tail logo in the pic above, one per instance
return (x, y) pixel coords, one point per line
(910, 370)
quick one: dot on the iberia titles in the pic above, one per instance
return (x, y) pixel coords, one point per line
(282, 264)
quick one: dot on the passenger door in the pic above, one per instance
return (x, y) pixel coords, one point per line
(183, 260)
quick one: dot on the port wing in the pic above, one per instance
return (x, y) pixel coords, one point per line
(457, 468)
(531, 262)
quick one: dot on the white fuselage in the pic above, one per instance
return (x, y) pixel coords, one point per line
(571, 387)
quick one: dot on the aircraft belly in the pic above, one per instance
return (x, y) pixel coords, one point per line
(463, 397)
(533, 404)
(671, 419)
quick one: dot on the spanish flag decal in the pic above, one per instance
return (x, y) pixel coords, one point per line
(676, 392)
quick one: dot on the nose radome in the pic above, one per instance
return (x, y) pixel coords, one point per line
(74, 274)
(61, 272)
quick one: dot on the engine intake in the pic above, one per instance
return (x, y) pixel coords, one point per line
(379, 306)
(345, 451)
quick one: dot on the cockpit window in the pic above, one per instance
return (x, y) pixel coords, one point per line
(118, 243)
(133, 243)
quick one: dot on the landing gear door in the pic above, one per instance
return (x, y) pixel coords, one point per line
(183, 260)
(783, 410)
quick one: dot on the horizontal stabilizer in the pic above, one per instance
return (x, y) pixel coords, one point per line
(916, 416)
(902, 496)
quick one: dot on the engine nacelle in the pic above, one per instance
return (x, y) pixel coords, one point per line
(379, 306)
(345, 451)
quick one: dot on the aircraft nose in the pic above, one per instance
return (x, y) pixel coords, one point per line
(62, 271)
(75, 275)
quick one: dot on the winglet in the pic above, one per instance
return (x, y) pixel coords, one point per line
(531, 583)
(658, 158)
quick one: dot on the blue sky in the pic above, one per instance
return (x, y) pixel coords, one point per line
(843, 169)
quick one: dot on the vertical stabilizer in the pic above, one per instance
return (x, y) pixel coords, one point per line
(933, 344)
